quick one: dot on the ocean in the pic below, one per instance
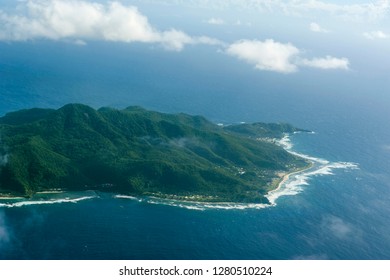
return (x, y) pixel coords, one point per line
(337, 210)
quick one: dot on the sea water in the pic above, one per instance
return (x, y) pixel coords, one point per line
(339, 209)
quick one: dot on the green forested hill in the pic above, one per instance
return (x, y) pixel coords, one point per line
(140, 152)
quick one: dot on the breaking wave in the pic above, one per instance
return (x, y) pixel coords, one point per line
(192, 205)
(42, 202)
(296, 181)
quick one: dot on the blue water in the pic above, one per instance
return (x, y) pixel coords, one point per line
(341, 216)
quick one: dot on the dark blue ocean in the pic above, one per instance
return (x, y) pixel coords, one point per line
(341, 210)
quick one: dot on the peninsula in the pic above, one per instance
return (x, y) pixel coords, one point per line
(139, 152)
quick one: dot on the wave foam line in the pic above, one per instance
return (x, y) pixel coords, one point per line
(293, 183)
(41, 202)
(126, 197)
(194, 205)
(202, 206)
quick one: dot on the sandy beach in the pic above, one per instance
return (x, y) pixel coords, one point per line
(51, 192)
(287, 176)
(6, 197)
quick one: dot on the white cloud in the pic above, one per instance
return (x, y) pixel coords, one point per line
(266, 55)
(80, 21)
(208, 41)
(3, 153)
(175, 40)
(239, 22)
(216, 21)
(80, 42)
(315, 27)
(219, 21)
(3, 160)
(284, 58)
(337, 227)
(327, 62)
(60, 19)
(369, 10)
(4, 234)
(386, 148)
(376, 35)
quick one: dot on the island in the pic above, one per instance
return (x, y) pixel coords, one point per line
(139, 152)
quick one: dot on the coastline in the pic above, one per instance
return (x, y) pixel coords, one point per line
(285, 143)
(287, 176)
(51, 192)
(8, 197)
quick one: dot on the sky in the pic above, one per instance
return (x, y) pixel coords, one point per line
(284, 37)
(249, 54)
